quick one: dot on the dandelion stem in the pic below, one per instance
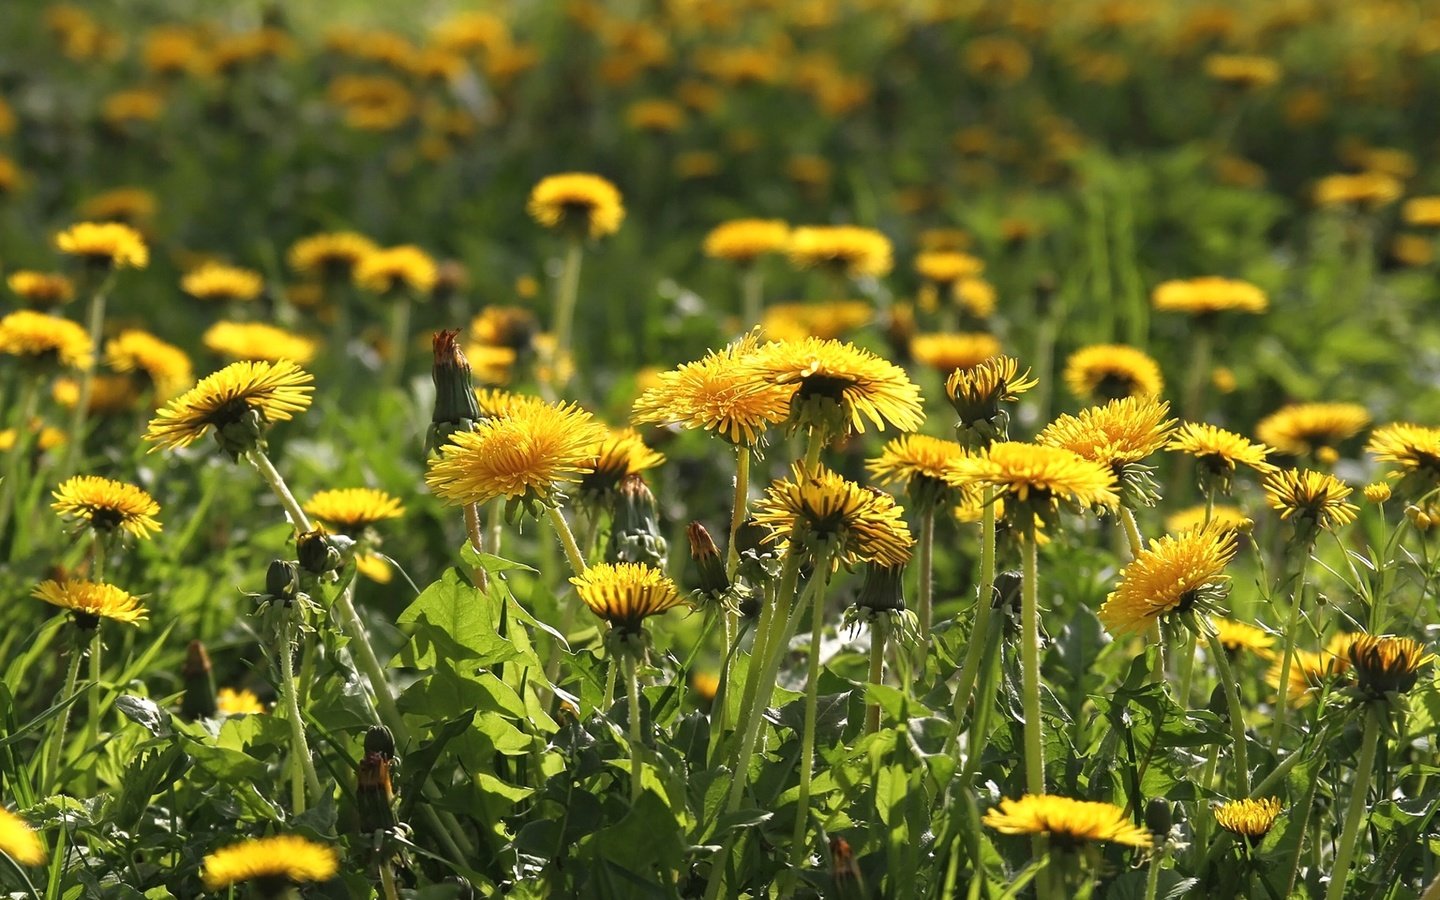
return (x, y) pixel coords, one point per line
(272, 477)
(926, 560)
(984, 604)
(92, 716)
(1232, 698)
(1187, 670)
(738, 509)
(387, 881)
(497, 526)
(815, 443)
(610, 677)
(632, 683)
(1199, 372)
(567, 540)
(399, 340)
(812, 705)
(302, 768)
(1355, 812)
(369, 662)
(15, 458)
(568, 294)
(1287, 659)
(95, 323)
(752, 289)
(878, 636)
(57, 739)
(1132, 532)
(1030, 666)
(1152, 879)
(477, 543)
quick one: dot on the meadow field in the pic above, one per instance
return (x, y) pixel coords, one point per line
(720, 448)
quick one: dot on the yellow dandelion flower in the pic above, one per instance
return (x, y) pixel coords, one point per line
(40, 338)
(354, 508)
(838, 386)
(1231, 518)
(1239, 636)
(1377, 492)
(243, 702)
(1218, 451)
(109, 394)
(577, 202)
(618, 454)
(243, 395)
(920, 464)
(1243, 71)
(947, 352)
(387, 270)
(1414, 450)
(946, 267)
(495, 403)
(522, 456)
(505, 326)
(105, 505)
(1068, 822)
(657, 116)
(285, 858)
(219, 282)
(976, 296)
(745, 240)
(41, 288)
(331, 254)
(374, 567)
(110, 243)
(1309, 673)
(1421, 212)
(167, 366)
(625, 594)
(860, 524)
(127, 205)
(1371, 190)
(1310, 499)
(91, 601)
(826, 321)
(1251, 819)
(722, 393)
(12, 179)
(1176, 573)
(19, 841)
(1208, 296)
(1386, 664)
(139, 105)
(945, 239)
(1038, 479)
(977, 392)
(1303, 428)
(1112, 371)
(1121, 432)
(258, 341)
(1413, 250)
(850, 250)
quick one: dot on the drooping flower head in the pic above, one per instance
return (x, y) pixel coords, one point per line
(838, 386)
(332, 255)
(19, 841)
(577, 203)
(1208, 296)
(844, 249)
(44, 340)
(1251, 819)
(1385, 664)
(742, 241)
(1111, 372)
(625, 594)
(1311, 501)
(387, 270)
(723, 393)
(1175, 574)
(90, 601)
(524, 457)
(977, 393)
(1068, 822)
(271, 862)
(1037, 481)
(920, 463)
(1303, 429)
(104, 244)
(239, 402)
(222, 283)
(818, 510)
(1218, 453)
(1119, 435)
(946, 352)
(106, 505)
(1414, 450)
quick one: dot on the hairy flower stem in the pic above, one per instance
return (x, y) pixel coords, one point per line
(399, 340)
(878, 636)
(1030, 666)
(1132, 532)
(812, 705)
(752, 291)
(1355, 812)
(738, 509)
(568, 292)
(1232, 699)
(814, 444)
(497, 525)
(611, 673)
(369, 662)
(632, 679)
(95, 323)
(302, 767)
(567, 540)
(57, 738)
(984, 604)
(477, 543)
(277, 484)
(926, 560)
(1287, 659)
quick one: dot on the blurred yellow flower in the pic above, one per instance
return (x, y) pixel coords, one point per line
(1209, 295)
(846, 249)
(386, 270)
(109, 243)
(577, 202)
(258, 341)
(41, 338)
(284, 859)
(1111, 372)
(19, 841)
(745, 240)
(41, 289)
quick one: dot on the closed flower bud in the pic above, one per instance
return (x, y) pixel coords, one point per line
(1159, 816)
(883, 589)
(635, 525)
(378, 739)
(374, 794)
(318, 552)
(456, 408)
(198, 701)
(713, 581)
(282, 580)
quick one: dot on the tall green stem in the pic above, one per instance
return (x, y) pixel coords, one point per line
(369, 662)
(738, 509)
(812, 705)
(277, 484)
(926, 553)
(57, 739)
(567, 540)
(1355, 812)
(878, 638)
(568, 294)
(984, 603)
(1132, 532)
(302, 767)
(1199, 372)
(15, 457)
(399, 340)
(752, 285)
(95, 323)
(1282, 703)
(632, 678)
(1030, 667)
(477, 543)
(1187, 670)
(1232, 699)
(92, 713)
(814, 444)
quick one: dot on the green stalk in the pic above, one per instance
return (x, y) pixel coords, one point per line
(1232, 698)
(752, 284)
(1355, 812)
(568, 294)
(387, 881)
(365, 656)
(1132, 532)
(57, 738)
(1030, 666)
(927, 544)
(302, 767)
(29, 402)
(399, 340)
(878, 637)
(567, 540)
(95, 321)
(277, 484)
(1199, 373)
(477, 543)
(611, 671)
(984, 601)
(497, 525)
(1287, 659)
(1187, 669)
(92, 713)
(738, 508)
(812, 705)
(633, 683)
(814, 444)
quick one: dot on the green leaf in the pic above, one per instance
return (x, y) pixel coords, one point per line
(453, 620)
(420, 762)
(145, 713)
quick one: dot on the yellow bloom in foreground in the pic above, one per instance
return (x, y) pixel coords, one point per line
(861, 524)
(242, 394)
(977, 392)
(330, 254)
(853, 251)
(90, 601)
(1303, 428)
(1252, 819)
(106, 505)
(1386, 664)
(1112, 371)
(39, 337)
(577, 202)
(722, 393)
(1232, 518)
(217, 281)
(1119, 433)
(231, 702)
(1176, 573)
(258, 341)
(354, 508)
(625, 594)
(1236, 636)
(838, 385)
(1310, 498)
(1209, 295)
(284, 857)
(167, 366)
(384, 271)
(41, 288)
(521, 456)
(745, 240)
(1041, 478)
(111, 243)
(19, 841)
(920, 463)
(947, 352)
(1068, 822)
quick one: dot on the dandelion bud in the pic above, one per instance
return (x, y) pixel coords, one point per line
(1378, 492)
(317, 552)
(977, 393)
(198, 701)
(242, 434)
(713, 581)
(883, 589)
(282, 580)
(378, 739)
(455, 406)
(374, 795)
(1159, 816)
(635, 525)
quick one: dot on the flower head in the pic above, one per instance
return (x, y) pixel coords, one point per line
(1037, 480)
(41, 338)
(167, 366)
(945, 267)
(618, 454)
(977, 393)
(522, 456)
(743, 241)
(332, 255)
(1112, 371)
(819, 507)
(577, 202)
(920, 463)
(219, 282)
(258, 341)
(40, 289)
(1232, 518)
(1208, 296)
(1219, 452)
(1244, 71)
(1068, 822)
(354, 508)
(1301, 429)
(1312, 501)
(232, 702)
(847, 249)
(1414, 450)
(1251, 819)
(91, 601)
(947, 352)
(723, 393)
(827, 320)
(1119, 435)
(284, 858)
(1371, 190)
(625, 594)
(1386, 664)
(837, 386)
(1310, 671)
(19, 841)
(387, 270)
(1176, 573)
(238, 402)
(1239, 636)
(105, 505)
(105, 243)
